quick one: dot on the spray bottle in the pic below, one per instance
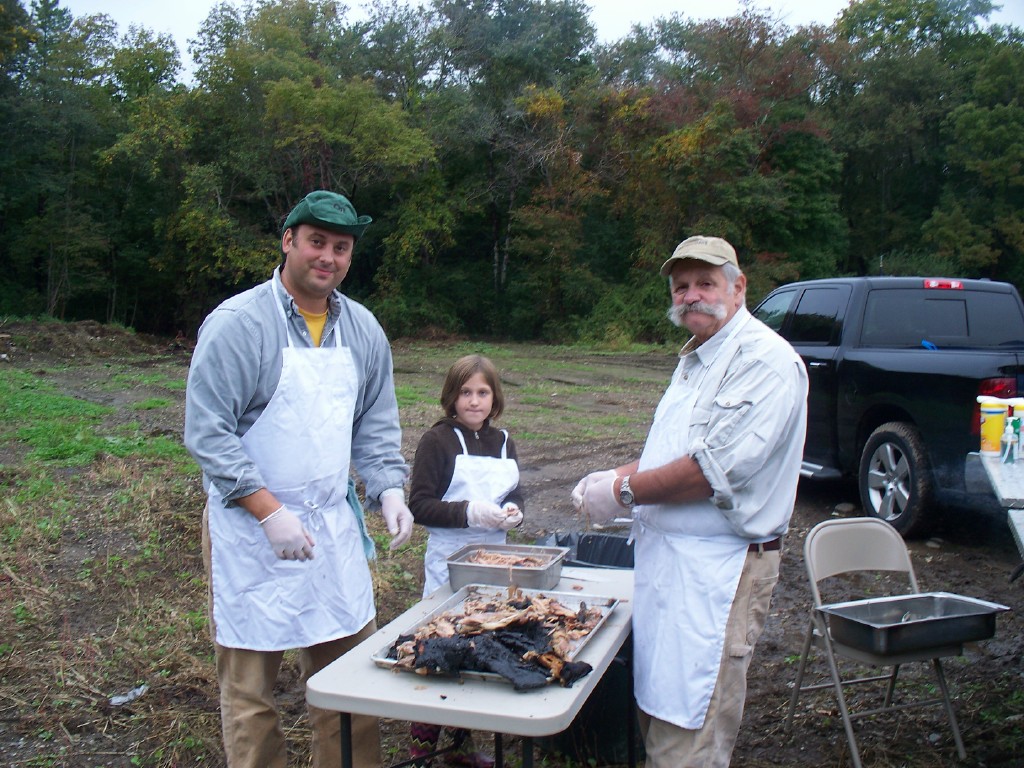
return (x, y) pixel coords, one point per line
(1008, 445)
(1015, 421)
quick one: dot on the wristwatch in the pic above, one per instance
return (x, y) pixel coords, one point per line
(626, 493)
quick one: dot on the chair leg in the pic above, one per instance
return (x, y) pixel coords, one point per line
(837, 682)
(891, 687)
(949, 709)
(801, 668)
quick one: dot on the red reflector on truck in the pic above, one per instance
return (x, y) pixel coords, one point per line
(1002, 388)
(932, 282)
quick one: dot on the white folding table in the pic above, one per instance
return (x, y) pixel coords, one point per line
(355, 684)
(1008, 483)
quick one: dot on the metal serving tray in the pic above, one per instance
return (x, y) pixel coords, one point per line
(546, 576)
(910, 623)
(456, 601)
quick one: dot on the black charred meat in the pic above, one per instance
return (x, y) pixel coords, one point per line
(524, 640)
(444, 655)
(491, 655)
(521, 654)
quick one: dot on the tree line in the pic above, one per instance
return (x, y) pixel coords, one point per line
(524, 179)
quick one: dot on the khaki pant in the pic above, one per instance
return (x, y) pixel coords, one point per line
(668, 745)
(253, 736)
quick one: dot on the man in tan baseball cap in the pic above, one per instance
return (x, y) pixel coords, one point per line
(711, 496)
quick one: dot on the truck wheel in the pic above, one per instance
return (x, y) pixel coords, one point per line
(895, 480)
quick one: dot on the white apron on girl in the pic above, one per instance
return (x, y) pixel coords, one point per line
(302, 445)
(685, 576)
(475, 478)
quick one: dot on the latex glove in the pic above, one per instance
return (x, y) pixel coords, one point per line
(287, 535)
(484, 514)
(513, 517)
(582, 485)
(600, 502)
(396, 516)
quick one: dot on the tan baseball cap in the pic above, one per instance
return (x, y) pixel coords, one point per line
(713, 250)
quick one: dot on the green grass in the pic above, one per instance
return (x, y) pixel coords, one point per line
(122, 380)
(25, 398)
(69, 432)
(152, 404)
(409, 396)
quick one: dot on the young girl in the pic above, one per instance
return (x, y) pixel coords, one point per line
(464, 490)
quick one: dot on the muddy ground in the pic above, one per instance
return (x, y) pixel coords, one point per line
(971, 551)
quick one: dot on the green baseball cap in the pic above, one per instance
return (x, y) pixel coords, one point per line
(328, 210)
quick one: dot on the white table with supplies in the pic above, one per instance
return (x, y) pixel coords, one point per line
(355, 684)
(1008, 484)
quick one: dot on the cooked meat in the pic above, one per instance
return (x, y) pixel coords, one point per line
(484, 557)
(443, 655)
(525, 639)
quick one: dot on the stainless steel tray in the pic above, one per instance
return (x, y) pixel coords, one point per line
(462, 572)
(910, 623)
(455, 602)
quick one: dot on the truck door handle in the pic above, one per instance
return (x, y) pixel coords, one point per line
(817, 365)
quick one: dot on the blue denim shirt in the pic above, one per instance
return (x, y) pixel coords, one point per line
(235, 369)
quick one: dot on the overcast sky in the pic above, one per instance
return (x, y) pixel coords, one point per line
(612, 18)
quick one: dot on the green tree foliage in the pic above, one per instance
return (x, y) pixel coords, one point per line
(979, 222)
(524, 180)
(908, 65)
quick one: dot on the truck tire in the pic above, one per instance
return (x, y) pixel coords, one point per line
(895, 479)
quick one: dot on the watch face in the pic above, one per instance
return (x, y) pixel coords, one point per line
(626, 493)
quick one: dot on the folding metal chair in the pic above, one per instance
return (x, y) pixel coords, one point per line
(863, 545)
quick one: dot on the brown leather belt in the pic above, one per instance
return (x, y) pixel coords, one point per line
(767, 546)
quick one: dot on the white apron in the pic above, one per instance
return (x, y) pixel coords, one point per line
(476, 478)
(302, 445)
(684, 582)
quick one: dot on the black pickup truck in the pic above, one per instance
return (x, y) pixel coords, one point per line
(896, 365)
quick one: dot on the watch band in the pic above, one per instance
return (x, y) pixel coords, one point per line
(626, 493)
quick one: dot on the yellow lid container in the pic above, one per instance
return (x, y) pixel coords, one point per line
(993, 422)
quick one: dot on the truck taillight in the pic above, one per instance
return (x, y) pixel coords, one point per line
(1003, 387)
(934, 282)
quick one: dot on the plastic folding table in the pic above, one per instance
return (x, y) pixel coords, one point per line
(355, 684)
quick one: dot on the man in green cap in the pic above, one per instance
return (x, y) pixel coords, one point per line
(291, 384)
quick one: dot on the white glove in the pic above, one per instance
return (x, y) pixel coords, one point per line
(513, 516)
(484, 514)
(582, 485)
(287, 535)
(396, 516)
(600, 502)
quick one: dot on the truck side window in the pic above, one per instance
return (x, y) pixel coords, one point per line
(816, 320)
(772, 312)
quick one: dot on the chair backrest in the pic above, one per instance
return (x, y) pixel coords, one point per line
(846, 545)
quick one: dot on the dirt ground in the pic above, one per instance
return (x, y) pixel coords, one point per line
(971, 552)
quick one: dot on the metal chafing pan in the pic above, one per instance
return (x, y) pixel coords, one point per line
(454, 604)
(910, 623)
(546, 576)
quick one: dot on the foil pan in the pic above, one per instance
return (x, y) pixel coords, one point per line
(455, 603)
(546, 576)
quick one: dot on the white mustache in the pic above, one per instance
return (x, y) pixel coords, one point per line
(676, 313)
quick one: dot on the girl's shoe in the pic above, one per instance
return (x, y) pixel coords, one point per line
(469, 760)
